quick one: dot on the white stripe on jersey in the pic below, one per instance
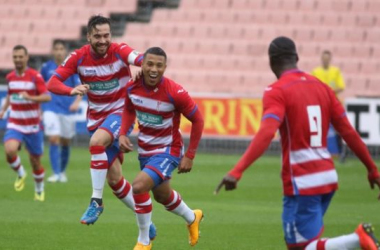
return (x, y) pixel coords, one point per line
(25, 114)
(166, 123)
(102, 70)
(151, 104)
(102, 107)
(155, 151)
(316, 180)
(24, 128)
(22, 85)
(154, 140)
(309, 154)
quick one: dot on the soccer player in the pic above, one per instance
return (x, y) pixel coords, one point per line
(103, 68)
(26, 89)
(302, 107)
(58, 116)
(158, 102)
(329, 74)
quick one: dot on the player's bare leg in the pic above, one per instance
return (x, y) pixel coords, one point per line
(14, 161)
(99, 167)
(173, 202)
(38, 174)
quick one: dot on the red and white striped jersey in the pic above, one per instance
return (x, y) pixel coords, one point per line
(107, 77)
(158, 111)
(305, 107)
(24, 114)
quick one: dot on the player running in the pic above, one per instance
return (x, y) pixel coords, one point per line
(26, 89)
(103, 68)
(58, 116)
(302, 108)
(158, 103)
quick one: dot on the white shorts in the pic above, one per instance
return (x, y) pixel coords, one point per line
(58, 124)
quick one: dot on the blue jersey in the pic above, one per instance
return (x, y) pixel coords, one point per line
(59, 103)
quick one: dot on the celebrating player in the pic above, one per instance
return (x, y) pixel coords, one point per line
(158, 103)
(59, 123)
(103, 68)
(26, 89)
(302, 108)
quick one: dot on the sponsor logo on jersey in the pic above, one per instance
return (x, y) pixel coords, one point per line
(136, 100)
(89, 72)
(16, 97)
(106, 85)
(149, 118)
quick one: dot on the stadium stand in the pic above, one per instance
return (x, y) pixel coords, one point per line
(213, 45)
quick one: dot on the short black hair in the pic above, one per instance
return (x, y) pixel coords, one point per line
(328, 52)
(59, 41)
(155, 51)
(96, 20)
(282, 50)
(19, 46)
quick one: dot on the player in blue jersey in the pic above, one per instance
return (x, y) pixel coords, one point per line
(58, 116)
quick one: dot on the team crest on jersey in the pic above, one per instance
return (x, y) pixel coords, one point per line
(158, 105)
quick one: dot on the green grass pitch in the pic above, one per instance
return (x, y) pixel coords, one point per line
(247, 218)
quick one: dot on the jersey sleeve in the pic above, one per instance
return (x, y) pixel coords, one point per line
(273, 104)
(337, 109)
(182, 101)
(130, 55)
(40, 84)
(68, 67)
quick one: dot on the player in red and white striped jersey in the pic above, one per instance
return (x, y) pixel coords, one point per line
(158, 103)
(103, 68)
(26, 89)
(302, 107)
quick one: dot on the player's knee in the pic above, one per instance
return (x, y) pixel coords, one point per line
(139, 187)
(161, 197)
(10, 152)
(54, 140)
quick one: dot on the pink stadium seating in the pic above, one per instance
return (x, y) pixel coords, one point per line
(215, 45)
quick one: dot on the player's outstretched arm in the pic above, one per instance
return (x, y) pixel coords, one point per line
(257, 147)
(355, 143)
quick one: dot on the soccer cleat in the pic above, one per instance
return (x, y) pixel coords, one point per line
(194, 227)
(92, 213)
(366, 237)
(53, 179)
(20, 183)
(140, 246)
(152, 231)
(39, 196)
(62, 177)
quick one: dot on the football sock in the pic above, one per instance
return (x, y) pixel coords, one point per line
(15, 164)
(65, 155)
(345, 242)
(143, 209)
(39, 179)
(54, 158)
(99, 167)
(176, 205)
(123, 191)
